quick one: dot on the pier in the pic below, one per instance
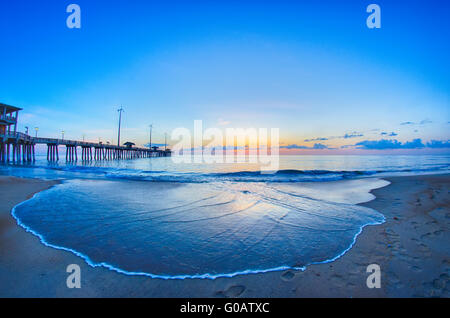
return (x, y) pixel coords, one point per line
(20, 147)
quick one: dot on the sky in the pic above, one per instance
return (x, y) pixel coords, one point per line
(313, 69)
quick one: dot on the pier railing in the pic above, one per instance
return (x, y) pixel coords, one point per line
(23, 149)
(16, 135)
(77, 143)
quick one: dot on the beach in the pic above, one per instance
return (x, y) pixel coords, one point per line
(411, 248)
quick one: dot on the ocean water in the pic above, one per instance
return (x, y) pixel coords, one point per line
(175, 221)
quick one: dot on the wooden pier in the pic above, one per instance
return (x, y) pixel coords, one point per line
(16, 147)
(19, 147)
(95, 151)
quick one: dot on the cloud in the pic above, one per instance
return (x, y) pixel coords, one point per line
(415, 144)
(438, 144)
(316, 139)
(382, 144)
(392, 134)
(316, 146)
(352, 135)
(422, 122)
(294, 146)
(320, 146)
(389, 144)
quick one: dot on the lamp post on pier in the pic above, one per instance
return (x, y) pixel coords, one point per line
(120, 119)
(165, 141)
(150, 141)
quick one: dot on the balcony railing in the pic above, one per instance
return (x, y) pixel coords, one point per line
(8, 118)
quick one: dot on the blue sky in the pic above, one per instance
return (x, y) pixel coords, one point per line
(311, 68)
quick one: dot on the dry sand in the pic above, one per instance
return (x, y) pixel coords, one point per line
(412, 249)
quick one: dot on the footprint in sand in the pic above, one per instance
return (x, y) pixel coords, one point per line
(424, 249)
(395, 281)
(437, 287)
(337, 280)
(232, 292)
(416, 268)
(288, 275)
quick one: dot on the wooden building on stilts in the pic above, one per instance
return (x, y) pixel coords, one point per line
(14, 146)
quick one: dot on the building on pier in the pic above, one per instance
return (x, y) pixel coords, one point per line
(8, 119)
(129, 144)
(21, 145)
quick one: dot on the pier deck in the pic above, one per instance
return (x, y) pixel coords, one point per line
(23, 149)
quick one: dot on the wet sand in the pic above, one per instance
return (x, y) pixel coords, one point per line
(412, 249)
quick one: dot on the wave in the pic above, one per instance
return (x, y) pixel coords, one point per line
(280, 176)
(292, 173)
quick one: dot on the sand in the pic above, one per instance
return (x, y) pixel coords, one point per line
(412, 249)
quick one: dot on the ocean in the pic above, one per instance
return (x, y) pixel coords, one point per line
(154, 217)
